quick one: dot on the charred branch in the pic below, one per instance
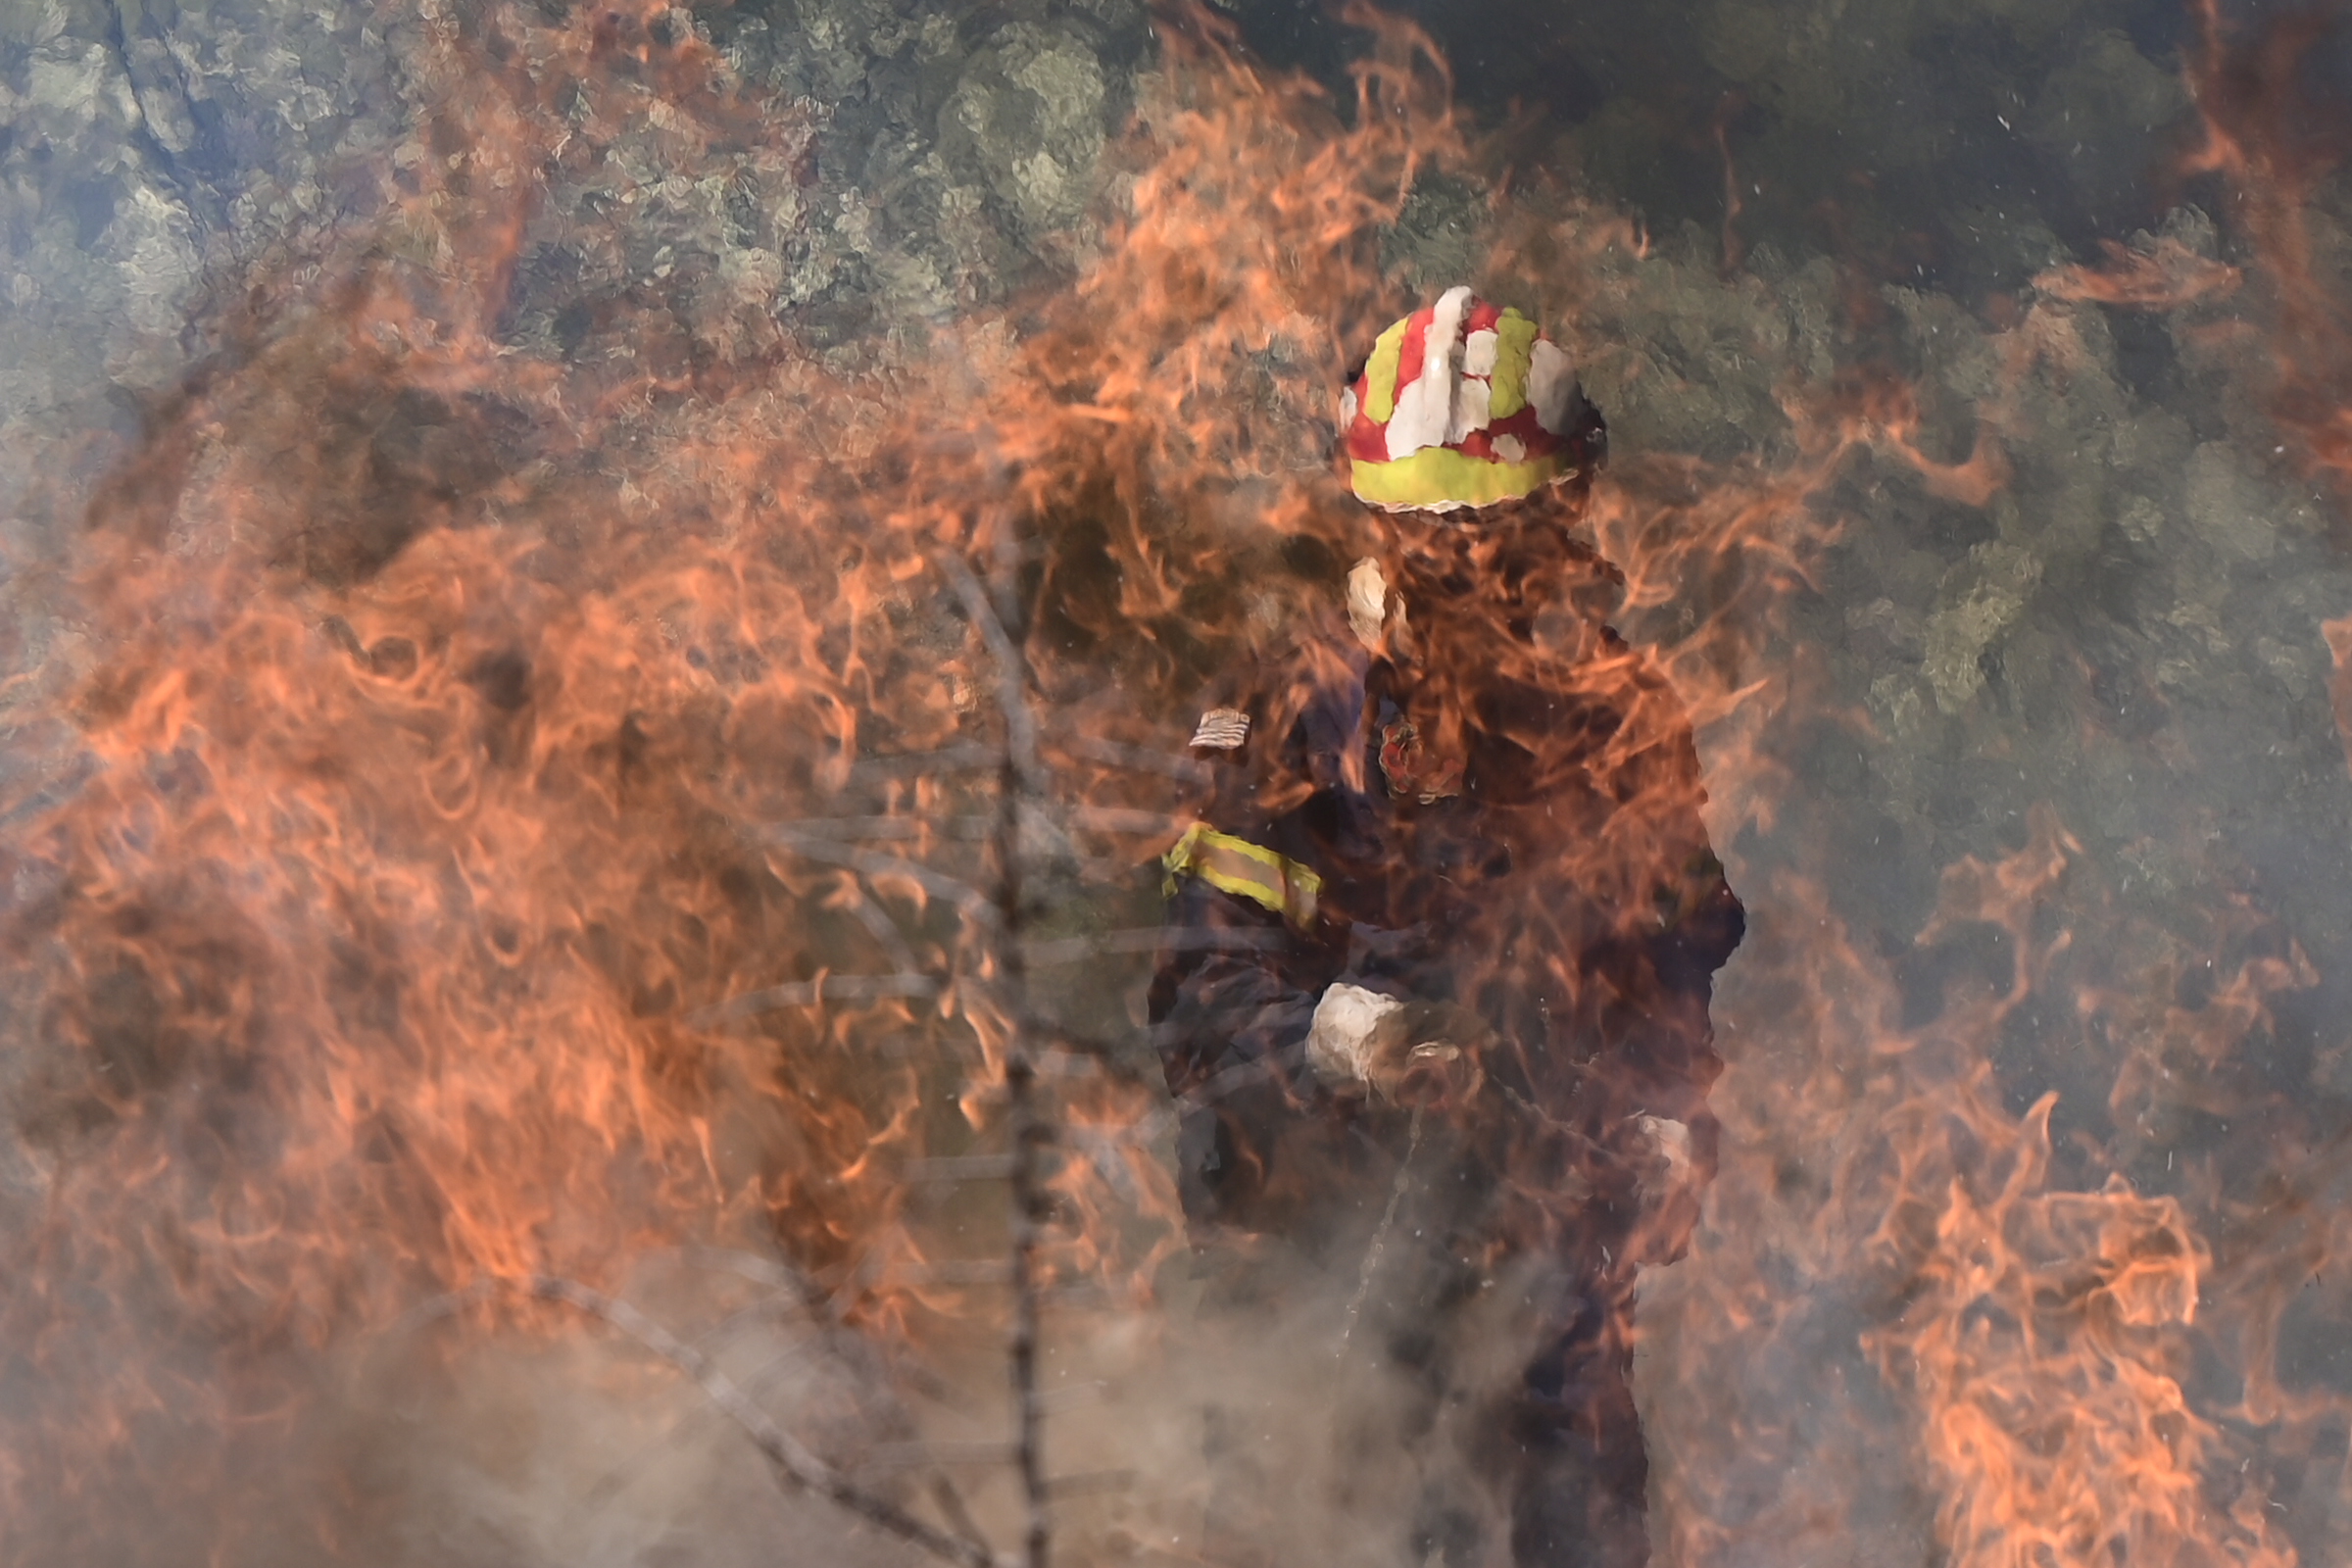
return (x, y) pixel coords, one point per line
(1020, 779)
(792, 1460)
(807, 993)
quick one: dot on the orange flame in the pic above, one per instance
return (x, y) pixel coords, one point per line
(478, 739)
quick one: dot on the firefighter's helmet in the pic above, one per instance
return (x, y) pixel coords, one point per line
(1464, 405)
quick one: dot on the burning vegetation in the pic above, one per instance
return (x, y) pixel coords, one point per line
(589, 966)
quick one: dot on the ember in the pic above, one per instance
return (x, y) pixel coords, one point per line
(724, 825)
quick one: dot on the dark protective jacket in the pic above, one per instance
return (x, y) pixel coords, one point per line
(1502, 806)
(1500, 803)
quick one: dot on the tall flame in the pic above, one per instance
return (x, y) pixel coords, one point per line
(526, 822)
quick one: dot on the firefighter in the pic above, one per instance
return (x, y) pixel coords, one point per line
(1433, 985)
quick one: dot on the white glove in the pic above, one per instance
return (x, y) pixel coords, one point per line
(1670, 1171)
(1339, 1043)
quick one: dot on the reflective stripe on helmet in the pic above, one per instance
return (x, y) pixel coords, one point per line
(1246, 870)
(1380, 372)
(1439, 477)
(1514, 346)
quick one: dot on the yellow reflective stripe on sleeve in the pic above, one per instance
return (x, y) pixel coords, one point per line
(1178, 861)
(1246, 870)
(1514, 349)
(1437, 475)
(1379, 374)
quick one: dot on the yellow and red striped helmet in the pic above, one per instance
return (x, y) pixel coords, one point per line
(1464, 405)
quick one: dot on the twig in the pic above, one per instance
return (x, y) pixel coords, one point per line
(1127, 819)
(959, 1168)
(1086, 1481)
(781, 1304)
(1137, 759)
(1012, 677)
(894, 827)
(1020, 777)
(807, 993)
(1028, 1205)
(970, 758)
(886, 826)
(794, 1462)
(1232, 1080)
(884, 1457)
(818, 847)
(880, 926)
(951, 1503)
(753, 1266)
(1380, 1233)
(1152, 939)
(621, 1474)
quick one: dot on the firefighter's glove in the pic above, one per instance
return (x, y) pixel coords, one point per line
(1669, 1181)
(1410, 1053)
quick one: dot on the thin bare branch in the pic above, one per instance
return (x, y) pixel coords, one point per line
(869, 863)
(1241, 1075)
(1135, 759)
(807, 993)
(960, 1168)
(1021, 780)
(950, 1502)
(1380, 1236)
(753, 1266)
(970, 758)
(1013, 675)
(1152, 939)
(887, 1456)
(794, 1462)
(878, 924)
